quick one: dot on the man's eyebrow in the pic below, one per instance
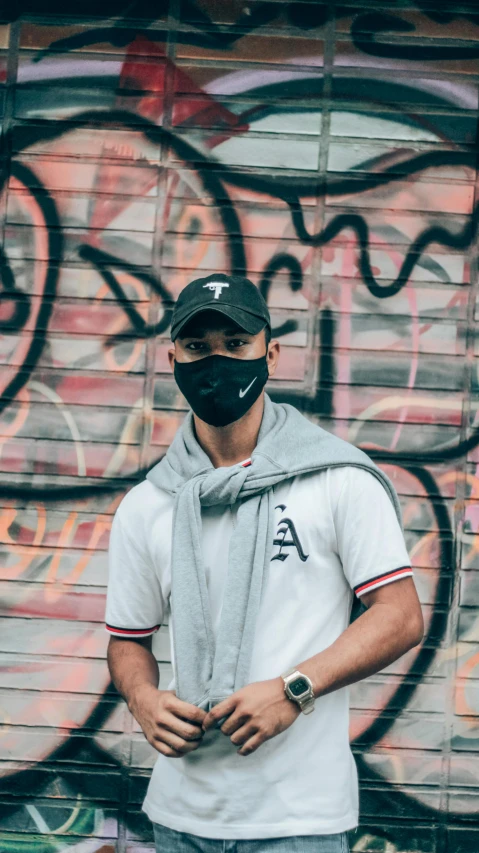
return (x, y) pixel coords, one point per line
(200, 332)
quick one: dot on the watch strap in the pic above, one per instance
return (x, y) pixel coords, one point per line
(307, 705)
(289, 672)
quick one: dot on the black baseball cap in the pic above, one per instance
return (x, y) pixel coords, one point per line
(233, 295)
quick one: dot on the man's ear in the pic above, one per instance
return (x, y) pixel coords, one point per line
(273, 356)
(171, 357)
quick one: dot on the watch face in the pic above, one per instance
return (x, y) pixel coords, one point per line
(298, 686)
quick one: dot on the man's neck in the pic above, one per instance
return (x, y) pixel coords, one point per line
(234, 442)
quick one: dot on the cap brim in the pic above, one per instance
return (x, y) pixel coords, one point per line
(251, 323)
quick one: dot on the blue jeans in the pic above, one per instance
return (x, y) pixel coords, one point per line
(171, 841)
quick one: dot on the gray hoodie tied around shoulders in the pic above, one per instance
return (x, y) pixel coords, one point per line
(207, 671)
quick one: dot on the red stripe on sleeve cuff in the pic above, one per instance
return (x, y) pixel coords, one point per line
(131, 632)
(380, 580)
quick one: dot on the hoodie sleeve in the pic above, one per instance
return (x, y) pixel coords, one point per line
(135, 605)
(370, 542)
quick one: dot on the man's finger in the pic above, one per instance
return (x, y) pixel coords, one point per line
(187, 711)
(250, 746)
(220, 711)
(175, 741)
(232, 723)
(186, 730)
(241, 734)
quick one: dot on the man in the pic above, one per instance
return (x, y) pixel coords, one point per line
(256, 527)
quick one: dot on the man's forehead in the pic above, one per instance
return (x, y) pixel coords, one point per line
(201, 326)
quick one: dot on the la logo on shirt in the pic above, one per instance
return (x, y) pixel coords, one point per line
(287, 537)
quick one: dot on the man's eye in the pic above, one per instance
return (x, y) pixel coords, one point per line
(193, 345)
(236, 342)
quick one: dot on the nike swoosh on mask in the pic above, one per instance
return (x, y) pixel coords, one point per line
(242, 393)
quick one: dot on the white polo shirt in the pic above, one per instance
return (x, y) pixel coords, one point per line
(336, 532)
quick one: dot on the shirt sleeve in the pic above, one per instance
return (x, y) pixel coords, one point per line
(134, 602)
(370, 541)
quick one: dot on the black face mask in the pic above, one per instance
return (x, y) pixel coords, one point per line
(219, 388)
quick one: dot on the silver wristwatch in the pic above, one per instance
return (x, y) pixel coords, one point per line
(299, 688)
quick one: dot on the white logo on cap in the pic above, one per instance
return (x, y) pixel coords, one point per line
(217, 286)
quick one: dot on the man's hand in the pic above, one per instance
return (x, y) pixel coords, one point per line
(255, 713)
(171, 726)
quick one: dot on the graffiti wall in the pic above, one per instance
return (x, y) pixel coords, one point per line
(330, 153)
